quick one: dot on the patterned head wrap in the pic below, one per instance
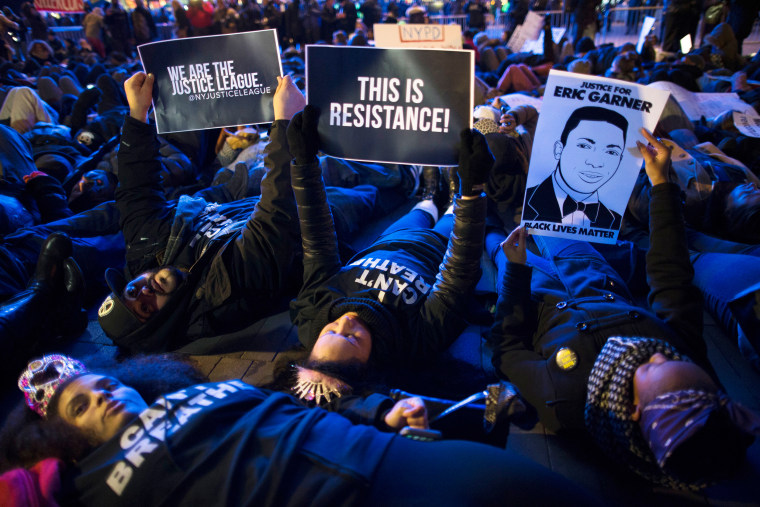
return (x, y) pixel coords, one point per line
(672, 418)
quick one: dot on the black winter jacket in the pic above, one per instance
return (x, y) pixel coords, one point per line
(529, 332)
(423, 282)
(241, 256)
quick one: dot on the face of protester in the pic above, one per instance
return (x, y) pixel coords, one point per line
(344, 339)
(591, 155)
(150, 291)
(95, 183)
(99, 405)
(743, 197)
(40, 51)
(661, 375)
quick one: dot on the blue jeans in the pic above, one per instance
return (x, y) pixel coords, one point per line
(97, 244)
(418, 219)
(730, 285)
(387, 178)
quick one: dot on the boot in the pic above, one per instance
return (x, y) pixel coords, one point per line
(34, 316)
(433, 188)
(452, 177)
(73, 317)
(431, 177)
(49, 270)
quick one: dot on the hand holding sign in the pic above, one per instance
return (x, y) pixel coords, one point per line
(656, 158)
(303, 137)
(514, 246)
(475, 162)
(139, 90)
(288, 99)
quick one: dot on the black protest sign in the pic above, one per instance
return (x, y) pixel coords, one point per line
(216, 81)
(391, 105)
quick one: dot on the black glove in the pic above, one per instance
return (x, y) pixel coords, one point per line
(303, 138)
(475, 161)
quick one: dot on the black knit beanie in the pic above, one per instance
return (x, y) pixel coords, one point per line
(381, 323)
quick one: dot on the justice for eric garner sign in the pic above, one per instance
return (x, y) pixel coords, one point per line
(585, 160)
(403, 106)
(215, 81)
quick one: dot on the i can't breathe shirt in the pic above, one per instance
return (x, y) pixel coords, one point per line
(229, 443)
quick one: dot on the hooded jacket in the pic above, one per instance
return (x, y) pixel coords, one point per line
(240, 256)
(422, 279)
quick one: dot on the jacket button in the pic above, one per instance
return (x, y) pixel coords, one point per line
(634, 314)
(561, 305)
(581, 326)
(609, 297)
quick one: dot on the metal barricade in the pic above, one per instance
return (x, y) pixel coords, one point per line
(73, 33)
(444, 19)
(623, 24)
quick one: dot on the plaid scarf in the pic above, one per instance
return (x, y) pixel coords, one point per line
(608, 406)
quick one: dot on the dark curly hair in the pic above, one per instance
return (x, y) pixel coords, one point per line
(27, 438)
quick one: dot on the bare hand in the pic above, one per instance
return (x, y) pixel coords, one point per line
(508, 123)
(288, 99)
(408, 412)
(139, 90)
(514, 246)
(656, 158)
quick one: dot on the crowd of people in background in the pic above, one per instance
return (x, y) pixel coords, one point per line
(87, 187)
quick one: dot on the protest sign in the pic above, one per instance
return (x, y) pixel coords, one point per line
(215, 81)
(391, 105)
(585, 160)
(747, 124)
(697, 105)
(418, 36)
(67, 6)
(520, 99)
(537, 46)
(646, 27)
(528, 31)
(685, 43)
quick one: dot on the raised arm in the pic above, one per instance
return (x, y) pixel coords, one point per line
(513, 356)
(320, 245)
(267, 249)
(140, 197)
(672, 295)
(443, 311)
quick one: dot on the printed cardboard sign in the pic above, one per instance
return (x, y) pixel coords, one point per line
(537, 46)
(699, 104)
(585, 160)
(215, 81)
(646, 27)
(747, 124)
(68, 6)
(685, 43)
(518, 99)
(402, 106)
(529, 30)
(418, 36)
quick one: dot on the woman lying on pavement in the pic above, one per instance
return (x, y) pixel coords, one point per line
(144, 433)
